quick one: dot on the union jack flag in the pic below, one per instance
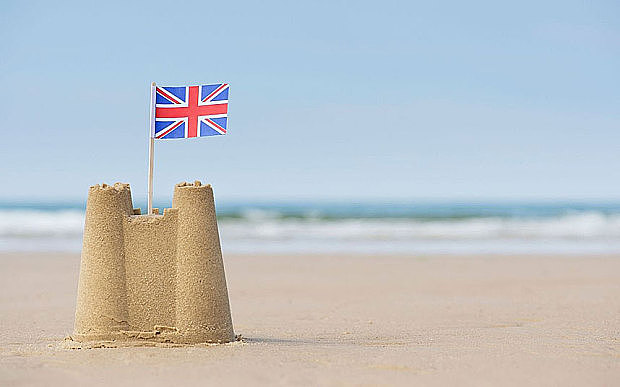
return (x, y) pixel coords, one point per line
(191, 111)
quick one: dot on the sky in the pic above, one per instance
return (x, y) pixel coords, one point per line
(329, 100)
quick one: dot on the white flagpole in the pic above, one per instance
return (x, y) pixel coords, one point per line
(151, 148)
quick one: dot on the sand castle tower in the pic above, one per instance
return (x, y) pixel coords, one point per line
(152, 277)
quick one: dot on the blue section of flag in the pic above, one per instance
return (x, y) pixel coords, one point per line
(221, 96)
(220, 121)
(161, 100)
(178, 92)
(206, 130)
(163, 126)
(159, 125)
(208, 89)
(177, 133)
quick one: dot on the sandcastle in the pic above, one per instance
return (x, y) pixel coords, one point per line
(153, 278)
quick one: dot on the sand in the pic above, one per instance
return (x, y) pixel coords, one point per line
(343, 320)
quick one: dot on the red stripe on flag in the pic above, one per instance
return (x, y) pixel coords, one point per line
(192, 119)
(182, 112)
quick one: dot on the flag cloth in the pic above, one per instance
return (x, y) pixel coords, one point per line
(190, 111)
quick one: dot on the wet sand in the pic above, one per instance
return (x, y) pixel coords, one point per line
(343, 320)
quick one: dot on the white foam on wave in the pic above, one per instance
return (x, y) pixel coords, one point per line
(265, 231)
(586, 225)
(34, 223)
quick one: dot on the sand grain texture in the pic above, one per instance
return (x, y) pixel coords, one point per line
(344, 320)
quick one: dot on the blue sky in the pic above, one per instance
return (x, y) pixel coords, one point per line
(329, 100)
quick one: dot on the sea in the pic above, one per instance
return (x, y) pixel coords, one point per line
(358, 227)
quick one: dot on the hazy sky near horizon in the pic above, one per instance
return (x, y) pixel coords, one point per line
(329, 99)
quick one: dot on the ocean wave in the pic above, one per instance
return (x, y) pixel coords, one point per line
(38, 223)
(270, 225)
(590, 225)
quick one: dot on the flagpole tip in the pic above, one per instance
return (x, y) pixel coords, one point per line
(153, 84)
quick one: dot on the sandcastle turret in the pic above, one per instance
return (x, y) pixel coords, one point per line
(152, 277)
(199, 257)
(102, 310)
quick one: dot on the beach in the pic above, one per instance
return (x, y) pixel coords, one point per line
(237, 218)
(342, 319)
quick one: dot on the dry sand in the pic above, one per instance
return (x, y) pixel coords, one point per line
(343, 320)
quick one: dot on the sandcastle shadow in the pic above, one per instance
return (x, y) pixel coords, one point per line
(275, 340)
